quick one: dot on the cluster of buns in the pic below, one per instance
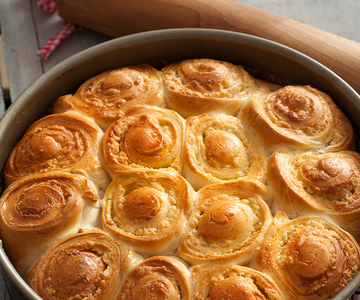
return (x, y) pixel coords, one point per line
(196, 181)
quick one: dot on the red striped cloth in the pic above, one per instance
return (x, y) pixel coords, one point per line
(356, 295)
(50, 6)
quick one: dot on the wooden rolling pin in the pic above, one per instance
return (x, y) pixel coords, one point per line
(121, 17)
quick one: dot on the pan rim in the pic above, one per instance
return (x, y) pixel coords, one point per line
(16, 109)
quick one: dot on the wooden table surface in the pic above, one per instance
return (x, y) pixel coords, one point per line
(25, 27)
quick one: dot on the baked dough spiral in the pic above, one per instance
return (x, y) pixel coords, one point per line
(218, 149)
(179, 159)
(308, 257)
(106, 96)
(326, 184)
(58, 142)
(232, 282)
(38, 209)
(88, 264)
(147, 210)
(298, 118)
(145, 138)
(227, 223)
(197, 86)
(158, 277)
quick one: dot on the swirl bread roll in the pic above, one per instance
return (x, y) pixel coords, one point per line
(145, 138)
(106, 96)
(58, 142)
(158, 277)
(197, 86)
(218, 149)
(39, 209)
(232, 282)
(84, 265)
(325, 184)
(308, 257)
(148, 210)
(298, 118)
(227, 224)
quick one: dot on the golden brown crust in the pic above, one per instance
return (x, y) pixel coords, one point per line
(232, 282)
(58, 142)
(218, 149)
(158, 277)
(106, 96)
(297, 118)
(308, 257)
(117, 122)
(38, 209)
(147, 210)
(227, 223)
(325, 184)
(145, 138)
(88, 264)
(197, 86)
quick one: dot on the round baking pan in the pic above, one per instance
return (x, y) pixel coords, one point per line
(262, 58)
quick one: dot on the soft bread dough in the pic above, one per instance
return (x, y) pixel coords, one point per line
(148, 210)
(308, 257)
(108, 95)
(323, 184)
(167, 183)
(297, 118)
(39, 209)
(217, 282)
(83, 265)
(197, 86)
(144, 138)
(218, 149)
(158, 277)
(58, 142)
(227, 223)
